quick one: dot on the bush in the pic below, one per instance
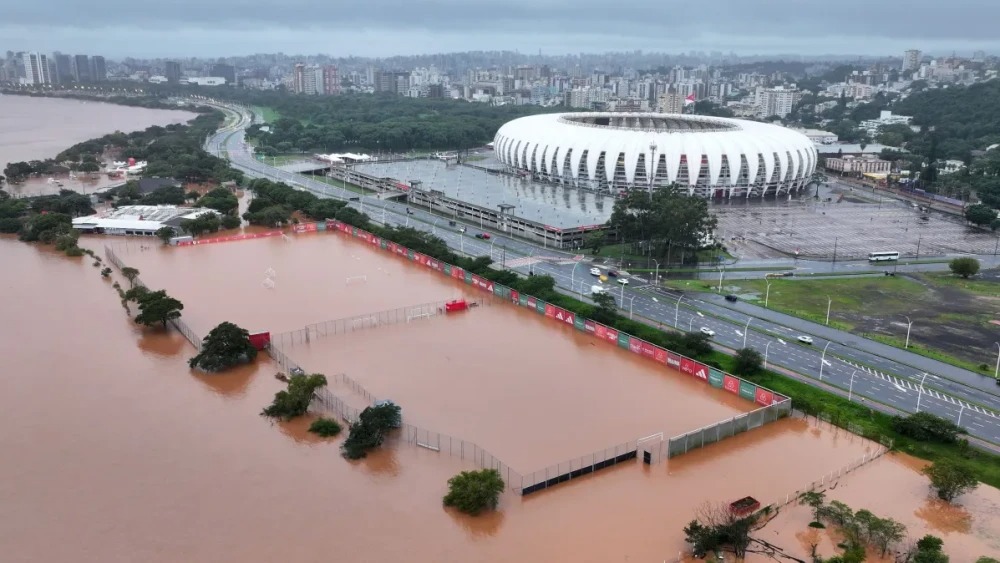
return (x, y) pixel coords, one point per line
(964, 267)
(927, 427)
(748, 362)
(325, 427)
(950, 479)
(230, 222)
(474, 491)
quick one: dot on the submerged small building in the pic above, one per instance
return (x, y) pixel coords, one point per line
(138, 220)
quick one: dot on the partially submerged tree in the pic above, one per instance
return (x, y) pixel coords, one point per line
(165, 234)
(225, 346)
(156, 307)
(294, 401)
(814, 500)
(474, 491)
(130, 274)
(325, 427)
(370, 429)
(950, 479)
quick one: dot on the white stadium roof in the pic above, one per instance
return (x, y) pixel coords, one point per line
(736, 155)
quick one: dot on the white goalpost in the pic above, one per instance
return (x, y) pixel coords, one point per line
(651, 445)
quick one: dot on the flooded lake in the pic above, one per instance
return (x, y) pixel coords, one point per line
(41, 128)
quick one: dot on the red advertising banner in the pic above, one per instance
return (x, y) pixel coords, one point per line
(391, 247)
(331, 224)
(532, 303)
(402, 250)
(564, 316)
(362, 234)
(375, 241)
(659, 354)
(611, 335)
(731, 384)
(648, 350)
(590, 326)
(457, 273)
(231, 238)
(345, 228)
(635, 345)
(305, 228)
(515, 297)
(419, 258)
(673, 360)
(764, 397)
(550, 311)
(601, 331)
(687, 366)
(700, 371)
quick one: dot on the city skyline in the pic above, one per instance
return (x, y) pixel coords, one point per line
(376, 29)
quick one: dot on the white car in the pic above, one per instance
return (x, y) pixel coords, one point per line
(595, 271)
(623, 281)
(707, 331)
(806, 339)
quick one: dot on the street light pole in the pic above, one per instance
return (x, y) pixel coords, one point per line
(822, 361)
(766, 346)
(746, 331)
(572, 275)
(656, 276)
(631, 301)
(850, 390)
(960, 411)
(909, 325)
(829, 303)
(920, 391)
(677, 312)
(722, 272)
(767, 294)
(997, 370)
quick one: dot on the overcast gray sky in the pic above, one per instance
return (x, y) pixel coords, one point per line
(118, 28)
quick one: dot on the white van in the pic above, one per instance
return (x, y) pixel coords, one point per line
(598, 289)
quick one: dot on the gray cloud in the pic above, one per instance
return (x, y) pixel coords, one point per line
(382, 27)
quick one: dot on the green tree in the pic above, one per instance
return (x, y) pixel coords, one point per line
(964, 266)
(45, 227)
(929, 550)
(221, 200)
(165, 234)
(748, 362)
(667, 219)
(324, 209)
(294, 400)
(130, 274)
(950, 479)
(595, 241)
(979, 214)
(814, 500)
(226, 345)
(605, 309)
(985, 559)
(207, 222)
(230, 222)
(156, 307)
(474, 491)
(370, 429)
(927, 427)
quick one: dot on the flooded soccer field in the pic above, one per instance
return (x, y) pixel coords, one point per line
(314, 278)
(130, 456)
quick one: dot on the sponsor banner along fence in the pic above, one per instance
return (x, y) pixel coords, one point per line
(245, 236)
(691, 367)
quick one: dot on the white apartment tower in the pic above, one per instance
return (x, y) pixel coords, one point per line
(776, 101)
(36, 69)
(911, 60)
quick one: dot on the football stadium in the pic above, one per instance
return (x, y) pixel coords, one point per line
(711, 157)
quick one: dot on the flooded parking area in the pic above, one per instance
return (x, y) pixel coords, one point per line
(528, 390)
(313, 278)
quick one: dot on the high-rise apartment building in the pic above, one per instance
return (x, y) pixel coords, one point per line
(98, 69)
(224, 71)
(911, 60)
(776, 101)
(36, 68)
(299, 79)
(64, 68)
(81, 68)
(331, 80)
(671, 102)
(172, 71)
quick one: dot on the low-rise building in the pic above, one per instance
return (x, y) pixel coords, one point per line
(819, 136)
(858, 165)
(138, 220)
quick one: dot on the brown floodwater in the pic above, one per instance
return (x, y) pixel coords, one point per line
(225, 281)
(40, 128)
(528, 390)
(894, 487)
(116, 451)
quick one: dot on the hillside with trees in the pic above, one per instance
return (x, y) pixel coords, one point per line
(364, 122)
(963, 118)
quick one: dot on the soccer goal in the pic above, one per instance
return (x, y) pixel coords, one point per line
(650, 448)
(355, 279)
(418, 315)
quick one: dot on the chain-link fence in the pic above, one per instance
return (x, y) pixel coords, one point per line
(578, 467)
(286, 363)
(347, 325)
(724, 429)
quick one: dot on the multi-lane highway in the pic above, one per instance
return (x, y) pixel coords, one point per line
(866, 370)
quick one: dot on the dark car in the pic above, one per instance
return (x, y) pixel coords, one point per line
(732, 298)
(612, 274)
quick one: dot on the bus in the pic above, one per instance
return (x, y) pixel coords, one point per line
(883, 255)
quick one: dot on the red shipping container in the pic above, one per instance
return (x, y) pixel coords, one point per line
(260, 340)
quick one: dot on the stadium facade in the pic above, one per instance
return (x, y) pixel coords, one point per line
(707, 156)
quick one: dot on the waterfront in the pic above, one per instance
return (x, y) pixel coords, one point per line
(36, 128)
